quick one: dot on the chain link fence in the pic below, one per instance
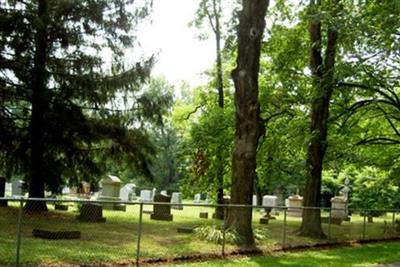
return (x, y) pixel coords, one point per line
(85, 232)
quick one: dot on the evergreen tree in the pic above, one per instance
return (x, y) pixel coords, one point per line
(61, 109)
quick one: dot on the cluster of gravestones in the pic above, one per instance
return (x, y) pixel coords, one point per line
(113, 192)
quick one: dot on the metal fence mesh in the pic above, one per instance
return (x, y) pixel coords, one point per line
(93, 232)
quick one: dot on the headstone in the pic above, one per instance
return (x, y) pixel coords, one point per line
(17, 188)
(176, 199)
(111, 186)
(8, 189)
(207, 200)
(164, 192)
(268, 202)
(339, 205)
(161, 212)
(66, 190)
(197, 198)
(254, 200)
(153, 194)
(294, 204)
(91, 213)
(145, 196)
(3, 203)
(127, 192)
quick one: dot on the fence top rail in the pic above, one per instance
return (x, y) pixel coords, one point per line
(56, 200)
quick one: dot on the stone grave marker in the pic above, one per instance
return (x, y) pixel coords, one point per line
(176, 199)
(91, 213)
(207, 200)
(164, 192)
(66, 190)
(161, 212)
(17, 188)
(294, 204)
(339, 206)
(127, 192)
(254, 202)
(8, 189)
(111, 186)
(268, 202)
(197, 198)
(145, 196)
(3, 203)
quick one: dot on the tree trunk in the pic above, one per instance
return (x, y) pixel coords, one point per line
(219, 211)
(249, 126)
(39, 104)
(323, 84)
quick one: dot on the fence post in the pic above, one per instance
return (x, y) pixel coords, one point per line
(364, 225)
(223, 233)
(139, 234)
(329, 223)
(21, 204)
(284, 228)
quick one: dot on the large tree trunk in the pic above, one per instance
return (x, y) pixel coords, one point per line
(249, 126)
(39, 104)
(323, 84)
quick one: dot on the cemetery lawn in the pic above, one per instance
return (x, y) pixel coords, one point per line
(116, 239)
(361, 256)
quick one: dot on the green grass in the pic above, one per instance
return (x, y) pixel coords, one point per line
(116, 239)
(362, 256)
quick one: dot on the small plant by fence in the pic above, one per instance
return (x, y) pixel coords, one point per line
(91, 232)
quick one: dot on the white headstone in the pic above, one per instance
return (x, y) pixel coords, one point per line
(207, 200)
(255, 200)
(16, 188)
(294, 204)
(127, 192)
(65, 190)
(164, 192)
(111, 185)
(8, 189)
(269, 200)
(339, 207)
(153, 193)
(176, 198)
(197, 198)
(145, 196)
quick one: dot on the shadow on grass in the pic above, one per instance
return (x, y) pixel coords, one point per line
(365, 255)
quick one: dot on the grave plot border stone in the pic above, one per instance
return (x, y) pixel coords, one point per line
(55, 235)
(60, 207)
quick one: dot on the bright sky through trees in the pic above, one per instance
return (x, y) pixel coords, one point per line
(180, 55)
